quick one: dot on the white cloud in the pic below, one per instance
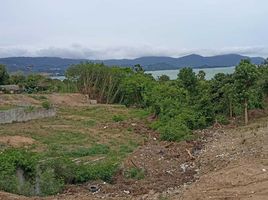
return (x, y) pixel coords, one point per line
(77, 51)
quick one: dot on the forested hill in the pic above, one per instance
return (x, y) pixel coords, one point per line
(59, 65)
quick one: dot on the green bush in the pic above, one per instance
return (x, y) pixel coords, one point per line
(62, 168)
(49, 183)
(11, 160)
(94, 150)
(46, 104)
(222, 119)
(118, 118)
(50, 175)
(174, 131)
(102, 170)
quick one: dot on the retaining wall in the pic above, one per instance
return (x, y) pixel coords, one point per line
(22, 115)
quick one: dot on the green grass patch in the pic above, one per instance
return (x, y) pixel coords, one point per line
(46, 104)
(29, 109)
(89, 123)
(68, 147)
(118, 118)
(94, 150)
(135, 173)
(6, 107)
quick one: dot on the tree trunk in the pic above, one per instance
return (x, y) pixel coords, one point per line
(230, 110)
(246, 111)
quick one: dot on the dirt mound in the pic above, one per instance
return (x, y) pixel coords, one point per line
(16, 141)
(17, 100)
(233, 165)
(164, 165)
(71, 99)
(74, 99)
(241, 181)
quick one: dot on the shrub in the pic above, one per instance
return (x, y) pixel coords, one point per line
(222, 119)
(49, 183)
(174, 131)
(94, 150)
(135, 173)
(46, 104)
(11, 160)
(102, 170)
(118, 118)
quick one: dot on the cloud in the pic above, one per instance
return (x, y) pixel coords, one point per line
(10, 52)
(77, 51)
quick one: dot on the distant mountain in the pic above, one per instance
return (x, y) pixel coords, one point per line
(56, 65)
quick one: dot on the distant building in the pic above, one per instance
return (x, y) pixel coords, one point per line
(10, 89)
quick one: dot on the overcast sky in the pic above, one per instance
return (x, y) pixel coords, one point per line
(101, 29)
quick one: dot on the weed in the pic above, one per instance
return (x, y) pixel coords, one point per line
(135, 173)
(89, 123)
(29, 109)
(118, 118)
(102, 170)
(46, 104)
(94, 150)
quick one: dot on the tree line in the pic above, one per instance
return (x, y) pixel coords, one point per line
(187, 103)
(35, 83)
(190, 102)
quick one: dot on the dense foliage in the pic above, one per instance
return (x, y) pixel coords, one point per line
(187, 103)
(40, 176)
(35, 83)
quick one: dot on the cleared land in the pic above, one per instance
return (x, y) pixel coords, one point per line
(227, 163)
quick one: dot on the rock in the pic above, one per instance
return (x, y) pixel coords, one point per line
(91, 101)
(126, 192)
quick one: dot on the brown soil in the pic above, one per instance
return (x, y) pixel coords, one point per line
(16, 141)
(224, 164)
(233, 165)
(67, 99)
(74, 99)
(17, 100)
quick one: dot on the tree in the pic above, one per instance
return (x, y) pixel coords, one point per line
(138, 68)
(245, 77)
(4, 77)
(17, 79)
(201, 75)
(188, 79)
(263, 80)
(265, 61)
(222, 91)
(163, 78)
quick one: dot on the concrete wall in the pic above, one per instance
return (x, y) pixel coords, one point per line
(22, 115)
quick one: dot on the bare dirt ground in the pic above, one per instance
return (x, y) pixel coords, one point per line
(16, 141)
(233, 165)
(73, 99)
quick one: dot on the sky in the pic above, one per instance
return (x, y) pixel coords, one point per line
(105, 29)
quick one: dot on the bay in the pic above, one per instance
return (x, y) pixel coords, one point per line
(210, 72)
